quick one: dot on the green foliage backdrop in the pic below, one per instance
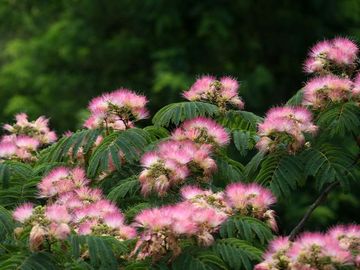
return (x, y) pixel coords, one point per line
(55, 55)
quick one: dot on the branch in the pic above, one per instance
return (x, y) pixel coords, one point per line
(318, 201)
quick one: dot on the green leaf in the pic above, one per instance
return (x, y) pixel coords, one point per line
(130, 144)
(246, 228)
(6, 223)
(59, 151)
(340, 119)
(175, 113)
(101, 250)
(328, 163)
(126, 187)
(238, 254)
(195, 259)
(282, 173)
(228, 170)
(240, 120)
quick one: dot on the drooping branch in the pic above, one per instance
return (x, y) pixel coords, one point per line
(317, 202)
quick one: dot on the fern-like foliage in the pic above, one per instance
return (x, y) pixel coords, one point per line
(340, 119)
(228, 171)
(247, 228)
(243, 126)
(101, 252)
(198, 259)
(237, 254)
(175, 113)
(6, 224)
(281, 173)
(125, 188)
(19, 182)
(329, 163)
(128, 144)
(59, 151)
(29, 261)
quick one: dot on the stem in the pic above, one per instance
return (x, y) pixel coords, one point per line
(312, 207)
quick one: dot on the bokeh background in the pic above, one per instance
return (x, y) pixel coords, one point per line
(55, 55)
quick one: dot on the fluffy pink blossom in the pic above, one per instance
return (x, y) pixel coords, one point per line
(275, 257)
(220, 92)
(7, 149)
(60, 230)
(202, 130)
(117, 110)
(57, 213)
(329, 55)
(173, 162)
(310, 248)
(285, 126)
(318, 92)
(251, 199)
(23, 212)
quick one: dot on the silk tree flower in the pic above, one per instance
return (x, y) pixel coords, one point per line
(320, 91)
(317, 251)
(159, 174)
(172, 163)
(61, 180)
(23, 212)
(197, 157)
(117, 110)
(163, 228)
(285, 127)
(37, 129)
(339, 54)
(276, 255)
(203, 131)
(252, 200)
(205, 198)
(221, 92)
(348, 238)
(25, 138)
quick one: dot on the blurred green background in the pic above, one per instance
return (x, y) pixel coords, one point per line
(57, 54)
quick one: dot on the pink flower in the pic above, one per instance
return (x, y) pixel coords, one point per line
(7, 149)
(319, 91)
(57, 213)
(60, 231)
(285, 125)
(328, 55)
(249, 197)
(117, 110)
(114, 220)
(220, 92)
(202, 130)
(23, 212)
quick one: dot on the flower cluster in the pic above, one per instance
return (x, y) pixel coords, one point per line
(117, 110)
(219, 92)
(285, 127)
(72, 206)
(329, 56)
(335, 61)
(320, 91)
(252, 200)
(203, 131)
(187, 153)
(25, 138)
(198, 216)
(340, 246)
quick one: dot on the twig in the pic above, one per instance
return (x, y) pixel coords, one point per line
(318, 201)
